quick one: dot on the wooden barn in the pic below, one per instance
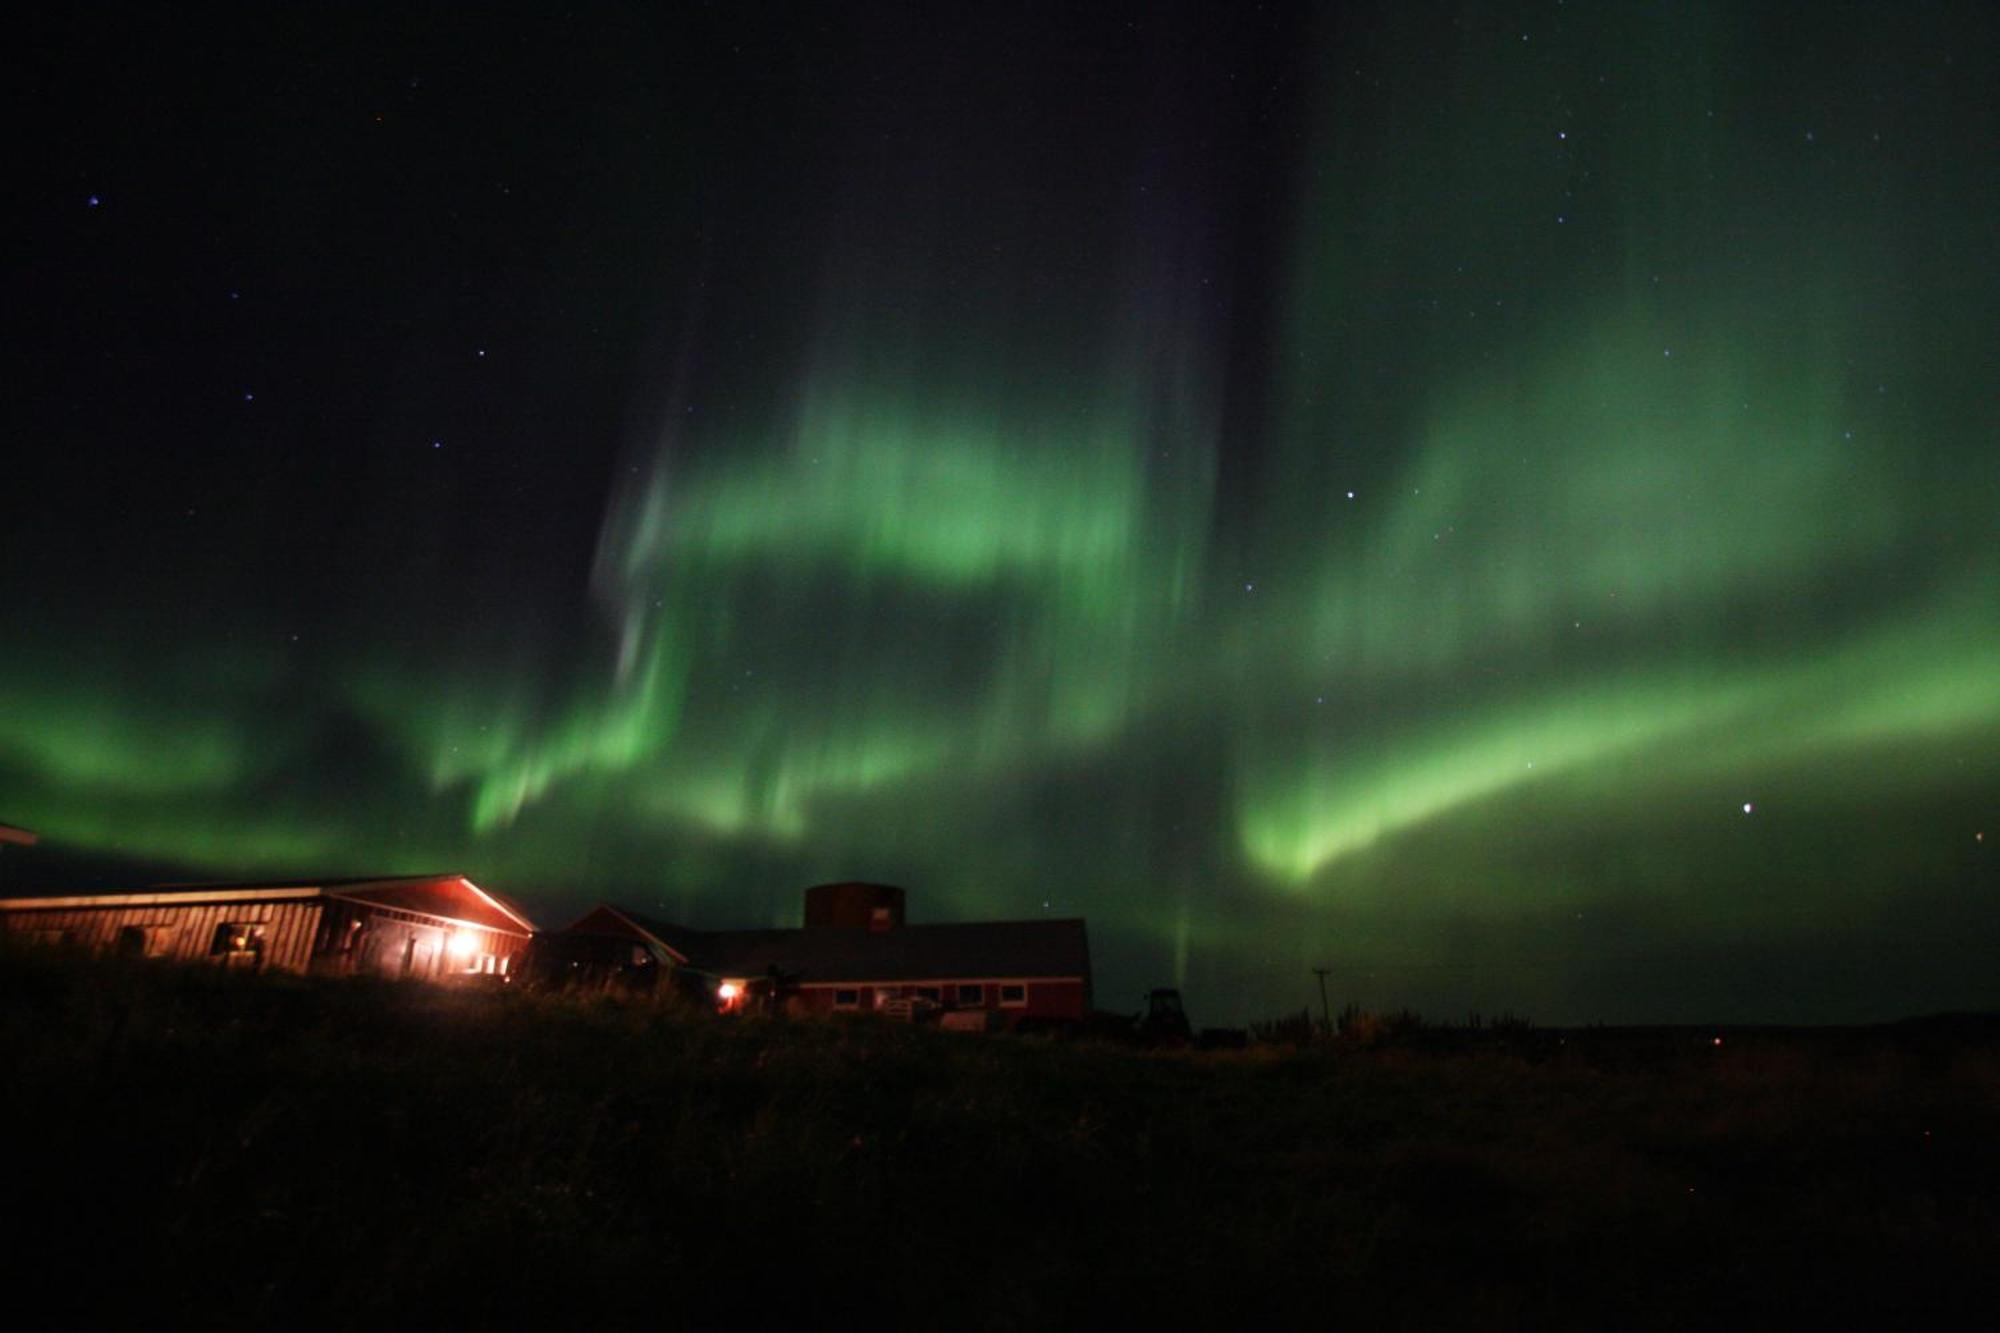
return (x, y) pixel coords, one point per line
(856, 954)
(437, 927)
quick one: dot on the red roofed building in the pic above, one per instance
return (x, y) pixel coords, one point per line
(437, 927)
(855, 954)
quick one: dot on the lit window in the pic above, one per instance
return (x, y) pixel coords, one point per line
(236, 941)
(972, 993)
(1013, 995)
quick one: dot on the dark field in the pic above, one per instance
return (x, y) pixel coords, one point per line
(270, 1152)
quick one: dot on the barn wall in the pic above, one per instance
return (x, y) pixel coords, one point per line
(365, 940)
(299, 935)
(1048, 998)
(183, 931)
(1056, 999)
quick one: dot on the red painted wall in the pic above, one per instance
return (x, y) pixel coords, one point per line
(1046, 999)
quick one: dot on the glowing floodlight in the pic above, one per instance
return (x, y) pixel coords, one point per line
(727, 992)
(461, 945)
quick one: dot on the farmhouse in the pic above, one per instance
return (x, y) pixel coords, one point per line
(431, 926)
(856, 954)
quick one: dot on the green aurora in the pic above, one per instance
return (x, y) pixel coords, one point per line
(1582, 597)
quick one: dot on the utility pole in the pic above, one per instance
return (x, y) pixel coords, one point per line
(1325, 1014)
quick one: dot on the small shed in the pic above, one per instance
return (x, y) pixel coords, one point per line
(437, 927)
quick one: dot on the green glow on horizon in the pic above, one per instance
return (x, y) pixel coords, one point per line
(84, 741)
(1300, 820)
(229, 847)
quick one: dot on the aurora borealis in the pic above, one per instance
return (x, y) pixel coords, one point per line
(1497, 501)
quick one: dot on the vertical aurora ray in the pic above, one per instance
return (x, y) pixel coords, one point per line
(967, 538)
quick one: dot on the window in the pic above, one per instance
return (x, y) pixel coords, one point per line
(846, 999)
(144, 941)
(935, 994)
(879, 919)
(972, 993)
(1013, 995)
(237, 941)
(337, 934)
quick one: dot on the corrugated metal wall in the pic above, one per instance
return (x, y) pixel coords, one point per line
(360, 938)
(297, 934)
(185, 931)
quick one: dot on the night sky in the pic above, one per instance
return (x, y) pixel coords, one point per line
(1502, 502)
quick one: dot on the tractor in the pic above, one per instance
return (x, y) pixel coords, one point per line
(1165, 1022)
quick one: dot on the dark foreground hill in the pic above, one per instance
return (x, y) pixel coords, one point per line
(263, 1151)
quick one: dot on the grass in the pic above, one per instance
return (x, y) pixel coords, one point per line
(270, 1150)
